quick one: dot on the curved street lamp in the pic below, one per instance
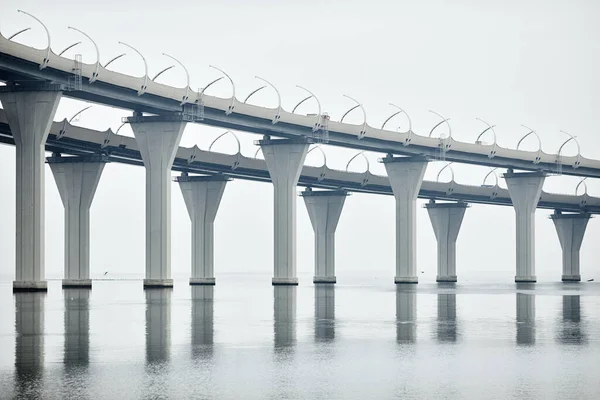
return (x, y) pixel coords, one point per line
(492, 171)
(114, 59)
(18, 33)
(142, 89)
(96, 71)
(449, 166)
(489, 128)
(401, 111)
(363, 130)
(232, 105)
(360, 153)
(444, 120)
(571, 138)
(63, 131)
(532, 132)
(317, 124)
(187, 77)
(278, 115)
(46, 60)
(227, 132)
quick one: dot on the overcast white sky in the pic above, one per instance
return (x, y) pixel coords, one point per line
(510, 63)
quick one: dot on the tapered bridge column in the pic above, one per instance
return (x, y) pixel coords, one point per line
(29, 111)
(406, 176)
(324, 209)
(446, 219)
(77, 179)
(158, 138)
(525, 189)
(570, 229)
(284, 158)
(202, 195)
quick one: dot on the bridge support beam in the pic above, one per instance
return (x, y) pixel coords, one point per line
(158, 138)
(77, 179)
(324, 209)
(284, 158)
(446, 219)
(570, 229)
(29, 111)
(406, 175)
(202, 195)
(525, 189)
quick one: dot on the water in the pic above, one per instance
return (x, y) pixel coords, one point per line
(245, 339)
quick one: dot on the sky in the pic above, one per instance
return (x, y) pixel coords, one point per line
(509, 63)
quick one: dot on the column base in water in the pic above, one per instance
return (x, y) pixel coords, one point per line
(530, 279)
(285, 281)
(571, 278)
(77, 283)
(406, 279)
(30, 286)
(445, 278)
(203, 281)
(158, 283)
(324, 279)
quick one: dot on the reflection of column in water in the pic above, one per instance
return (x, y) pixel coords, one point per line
(202, 320)
(446, 317)
(324, 311)
(158, 324)
(77, 327)
(29, 346)
(406, 312)
(525, 318)
(284, 325)
(571, 321)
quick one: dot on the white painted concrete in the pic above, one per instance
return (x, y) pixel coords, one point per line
(406, 175)
(446, 219)
(77, 179)
(158, 141)
(29, 116)
(284, 159)
(29, 338)
(525, 189)
(324, 209)
(202, 195)
(570, 229)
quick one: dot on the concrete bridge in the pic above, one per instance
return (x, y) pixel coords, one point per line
(37, 79)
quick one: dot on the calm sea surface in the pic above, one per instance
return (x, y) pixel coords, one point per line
(245, 339)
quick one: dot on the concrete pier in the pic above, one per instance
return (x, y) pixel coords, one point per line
(525, 189)
(284, 158)
(406, 313)
(29, 111)
(158, 138)
(77, 179)
(446, 317)
(406, 176)
(570, 229)
(324, 209)
(202, 195)
(324, 312)
(446, 219)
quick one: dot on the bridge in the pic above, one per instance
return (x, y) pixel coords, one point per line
(37, 79)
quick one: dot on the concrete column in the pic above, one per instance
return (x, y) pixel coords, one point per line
(284, 316)
(446, 219)
(77, 327)
(406, 175)
(324, 209)
(158, 325)
(202, 195)
(29, 113)
(202, 321)
(77, 179)
(570, 229)
(406, 313)
(284, 158)
(158, 138)
(572, 330)
(525, 189)
(525, 314)
(324, 312)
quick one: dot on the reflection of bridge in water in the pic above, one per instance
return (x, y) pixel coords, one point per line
(37, 79)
